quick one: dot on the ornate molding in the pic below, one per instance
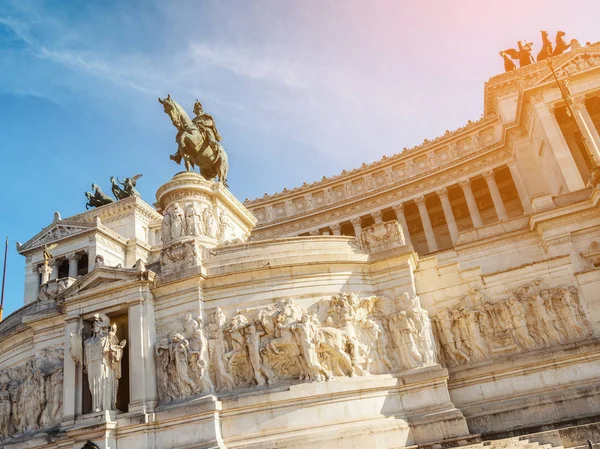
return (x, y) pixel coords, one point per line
(369, 200)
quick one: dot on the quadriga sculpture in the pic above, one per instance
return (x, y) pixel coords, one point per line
(284, 343)
(197, 140)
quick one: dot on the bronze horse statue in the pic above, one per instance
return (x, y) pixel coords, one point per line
(98, 198)
(195, 146)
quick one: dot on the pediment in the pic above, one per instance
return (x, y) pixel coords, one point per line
(105, 278)
(57, 231)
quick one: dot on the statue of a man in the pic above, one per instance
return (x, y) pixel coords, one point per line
(206, 123)
(103, 354)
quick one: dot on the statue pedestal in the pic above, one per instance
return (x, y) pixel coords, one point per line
(197, 216)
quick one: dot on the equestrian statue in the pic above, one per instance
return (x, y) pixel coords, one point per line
(197, 140)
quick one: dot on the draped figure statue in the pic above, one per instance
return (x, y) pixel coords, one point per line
(103, 354)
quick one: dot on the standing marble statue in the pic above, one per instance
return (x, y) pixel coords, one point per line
(103, 355)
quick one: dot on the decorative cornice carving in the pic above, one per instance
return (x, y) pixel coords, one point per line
(387, 198)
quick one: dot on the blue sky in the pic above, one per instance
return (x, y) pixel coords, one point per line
(298, 89)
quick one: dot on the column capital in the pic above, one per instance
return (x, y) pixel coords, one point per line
(44, 269)
(577, 102)
(420, 200)
(465, 184)
(355, 221)
(336, 229)
(74, 256)
(377, 216)
(488, 174)
(443, 192)
(314, 232)
(398, 208)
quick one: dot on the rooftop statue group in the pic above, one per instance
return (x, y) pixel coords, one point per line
(99, 198)
(523, 51)
(198, 141)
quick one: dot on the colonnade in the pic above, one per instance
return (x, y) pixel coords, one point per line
(50, 271)
(442, 193)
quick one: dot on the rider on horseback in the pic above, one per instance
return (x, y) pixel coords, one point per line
(204, 122)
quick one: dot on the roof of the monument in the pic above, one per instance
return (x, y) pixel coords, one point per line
(87, 221)
(516, 80)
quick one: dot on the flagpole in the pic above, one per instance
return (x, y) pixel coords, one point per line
(3, 279)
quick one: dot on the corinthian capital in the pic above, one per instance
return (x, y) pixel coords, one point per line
(443, 192)
(488, 175)
(420, 201)
(465, 184)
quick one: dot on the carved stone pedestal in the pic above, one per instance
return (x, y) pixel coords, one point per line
(197, 215)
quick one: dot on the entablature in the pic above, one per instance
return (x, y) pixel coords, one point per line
(370, 202)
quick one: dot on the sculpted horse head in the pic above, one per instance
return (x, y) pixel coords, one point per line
(176, 113)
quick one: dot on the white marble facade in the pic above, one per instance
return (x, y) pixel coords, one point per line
(431, 299)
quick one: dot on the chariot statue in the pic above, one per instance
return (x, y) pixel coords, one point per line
(198, 141)
(98, 198)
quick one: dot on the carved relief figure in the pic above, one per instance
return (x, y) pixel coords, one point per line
(31, 394)
(5, 405)
(195, 225)
(286, 342)
(225, 229)
(403, 334)
(217, 350)
(177, 221)
(565, 305)
(210, 223)
(533, 316)
(541, 319)
(103, 355)
(519, 321)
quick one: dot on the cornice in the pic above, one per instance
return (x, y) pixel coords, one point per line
(385, 162)
(405, 191)
(118, 209)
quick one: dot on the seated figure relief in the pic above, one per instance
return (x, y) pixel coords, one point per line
(533, 317)
(284, 343)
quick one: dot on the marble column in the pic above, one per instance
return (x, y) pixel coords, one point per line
(142, 371)
(54, 266)
(357, 227)
(377, 216)
(399, 210)
(495, 193)
(559, 147)
(587, 127)
(73, 264)
(336, 229)
(45, 270)
(448, 214)
(465, 185)
(521, 188)
(72, 375)
(429, 235)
